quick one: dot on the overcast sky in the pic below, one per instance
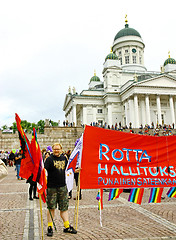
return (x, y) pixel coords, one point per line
(48, 45)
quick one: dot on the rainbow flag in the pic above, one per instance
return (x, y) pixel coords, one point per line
(172, 192)
(155, 195)
(39, 171)
(114, 193)
(100, 199)
(136, 195)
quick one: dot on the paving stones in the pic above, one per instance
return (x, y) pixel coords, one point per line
(21, 219)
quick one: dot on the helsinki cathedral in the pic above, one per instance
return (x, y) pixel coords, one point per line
(128, 93)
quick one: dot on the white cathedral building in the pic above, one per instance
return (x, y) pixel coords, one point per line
(128, 93)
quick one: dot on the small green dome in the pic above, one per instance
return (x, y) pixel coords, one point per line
(111, 56)
(169, 61)
(95, 78)
(127, 32)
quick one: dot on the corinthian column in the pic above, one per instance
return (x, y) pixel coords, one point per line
(126, 113)
(74, 114)
(172, 110)
(159, 109)
(84, 121)
(131, 112)
(110, 114)
(136, 110)
(147, 109)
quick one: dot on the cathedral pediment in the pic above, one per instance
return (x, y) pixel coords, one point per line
(163, 81)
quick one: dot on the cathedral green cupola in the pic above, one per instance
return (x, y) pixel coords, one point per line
(112, 56)
(169, 60)
(127, 31)
(95, 78)
(169, 64)
(129, 47)
(95, 83)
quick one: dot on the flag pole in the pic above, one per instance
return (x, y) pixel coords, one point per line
(41, 215)
(75, 212)
(50, 213)
(100, 208)
(78, 193)
(77, 204)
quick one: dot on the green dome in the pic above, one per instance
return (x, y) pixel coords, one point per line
(127, 32)
(111, 56)
(169, 61)
(95, 78)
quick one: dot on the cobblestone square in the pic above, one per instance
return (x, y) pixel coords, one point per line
(21, 218)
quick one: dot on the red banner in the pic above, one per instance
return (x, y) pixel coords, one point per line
(114, 159)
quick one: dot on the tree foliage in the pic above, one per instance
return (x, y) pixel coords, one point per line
(53, 124)
(4, 127)
(28, 127)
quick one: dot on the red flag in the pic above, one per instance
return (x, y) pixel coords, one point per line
(27, 164)
(39, 171)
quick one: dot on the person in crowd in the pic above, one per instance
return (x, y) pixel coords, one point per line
(11, 159)
(3, 170)
(4, 157)
(18, 157)
(43, 153)
(32, 188)
(57, 193)
(47, 154)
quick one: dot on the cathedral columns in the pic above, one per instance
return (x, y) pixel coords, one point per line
(84, 121)
(126, 113)
(94, 113)
(159, 109)
(147, 109)
(109, 115)
(143, 116)
(74, 114)
(70, 117)
(136, 111)
(143, 112)
(172, 109)
(131, 111)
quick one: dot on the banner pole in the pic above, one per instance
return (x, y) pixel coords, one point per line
(77, 204)
(78, 193)
(100, 207)
(41, 215)
(74, 224)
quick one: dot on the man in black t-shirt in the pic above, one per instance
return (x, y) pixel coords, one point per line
(55, 165)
